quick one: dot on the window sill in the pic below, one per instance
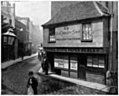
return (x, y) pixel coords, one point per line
(52, 42)
(86, 40)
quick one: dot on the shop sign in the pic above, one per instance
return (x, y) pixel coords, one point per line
(61, 62)
(73, 63)
(72, 32)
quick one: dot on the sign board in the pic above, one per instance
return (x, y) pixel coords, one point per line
(71, 32)
(73, 63)
(61, 61)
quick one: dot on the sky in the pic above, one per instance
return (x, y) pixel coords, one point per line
(39, 12)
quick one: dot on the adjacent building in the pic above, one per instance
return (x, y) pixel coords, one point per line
(7, 21)
(27, 43)
(77, 40)
(35, 38)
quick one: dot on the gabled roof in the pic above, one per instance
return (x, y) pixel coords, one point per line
(80, 11)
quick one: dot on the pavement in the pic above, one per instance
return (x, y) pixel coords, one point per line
(15, 77)
(11, 62)
(88, 84)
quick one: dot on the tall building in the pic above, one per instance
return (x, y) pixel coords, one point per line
(7, 21)
(26, 21)
(78, 40)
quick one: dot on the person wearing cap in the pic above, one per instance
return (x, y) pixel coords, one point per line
(32, 83)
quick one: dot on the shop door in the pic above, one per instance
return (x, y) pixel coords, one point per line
(82, 67)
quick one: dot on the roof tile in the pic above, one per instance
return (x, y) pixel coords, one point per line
(79, 11)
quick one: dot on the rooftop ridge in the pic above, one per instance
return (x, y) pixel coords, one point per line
(79, 11)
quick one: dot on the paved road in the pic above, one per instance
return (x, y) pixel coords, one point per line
(15, 77)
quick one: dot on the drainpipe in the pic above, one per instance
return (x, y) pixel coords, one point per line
(108, 73)
(111, 30)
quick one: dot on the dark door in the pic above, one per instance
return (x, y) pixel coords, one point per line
(51, 61)
(82, 67)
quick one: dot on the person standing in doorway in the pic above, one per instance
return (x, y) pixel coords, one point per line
(32, 82)
(45, 65)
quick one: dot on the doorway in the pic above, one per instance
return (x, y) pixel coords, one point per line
(82, 61)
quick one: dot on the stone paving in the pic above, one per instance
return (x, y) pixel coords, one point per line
(15, 77)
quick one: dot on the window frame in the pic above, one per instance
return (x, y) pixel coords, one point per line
(87, 40)
(98, 63)
(51, 33)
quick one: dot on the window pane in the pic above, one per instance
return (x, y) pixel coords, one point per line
(52, 34)
(52, 31)
(89, 61)
(5, 39)
(73, 63)
(87, 32)
(61, 61)
(52, 38)
(84, 27)
(95, 61)
(101, 62)
(9, 40)
(12, 41)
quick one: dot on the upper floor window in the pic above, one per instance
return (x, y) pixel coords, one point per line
(86, 32)
(52, 35)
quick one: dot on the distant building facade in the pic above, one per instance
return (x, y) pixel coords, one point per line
(27, 43)
(77, 40)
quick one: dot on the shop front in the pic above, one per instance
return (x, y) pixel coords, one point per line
(76, 40)
(89, 66)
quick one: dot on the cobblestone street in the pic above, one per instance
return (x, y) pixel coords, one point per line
(15, 77)
(14, 80)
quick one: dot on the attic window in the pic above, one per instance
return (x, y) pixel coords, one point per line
(87, 32)
(52, 35)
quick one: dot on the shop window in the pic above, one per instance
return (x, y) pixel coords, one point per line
(87, 32)
(95, 61)
(61, 62)
(101, 62)
(73, 63)
(89, 61)
(52, 35)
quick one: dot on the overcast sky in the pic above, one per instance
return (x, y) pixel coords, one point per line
(39, 12)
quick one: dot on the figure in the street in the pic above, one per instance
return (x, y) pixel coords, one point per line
(32, 84)
(40, 52)
(22, 52)
(40, 55)
(45, 65)
(22, 55)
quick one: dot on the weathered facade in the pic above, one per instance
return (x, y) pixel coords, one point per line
(77, 40)
(7, 21)
(27, 42)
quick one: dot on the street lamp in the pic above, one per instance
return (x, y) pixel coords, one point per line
(8, 37)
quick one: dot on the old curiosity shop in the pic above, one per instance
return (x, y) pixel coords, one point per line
(76, 41)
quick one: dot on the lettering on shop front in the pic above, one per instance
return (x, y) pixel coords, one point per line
(77, 50)
(72, 32)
